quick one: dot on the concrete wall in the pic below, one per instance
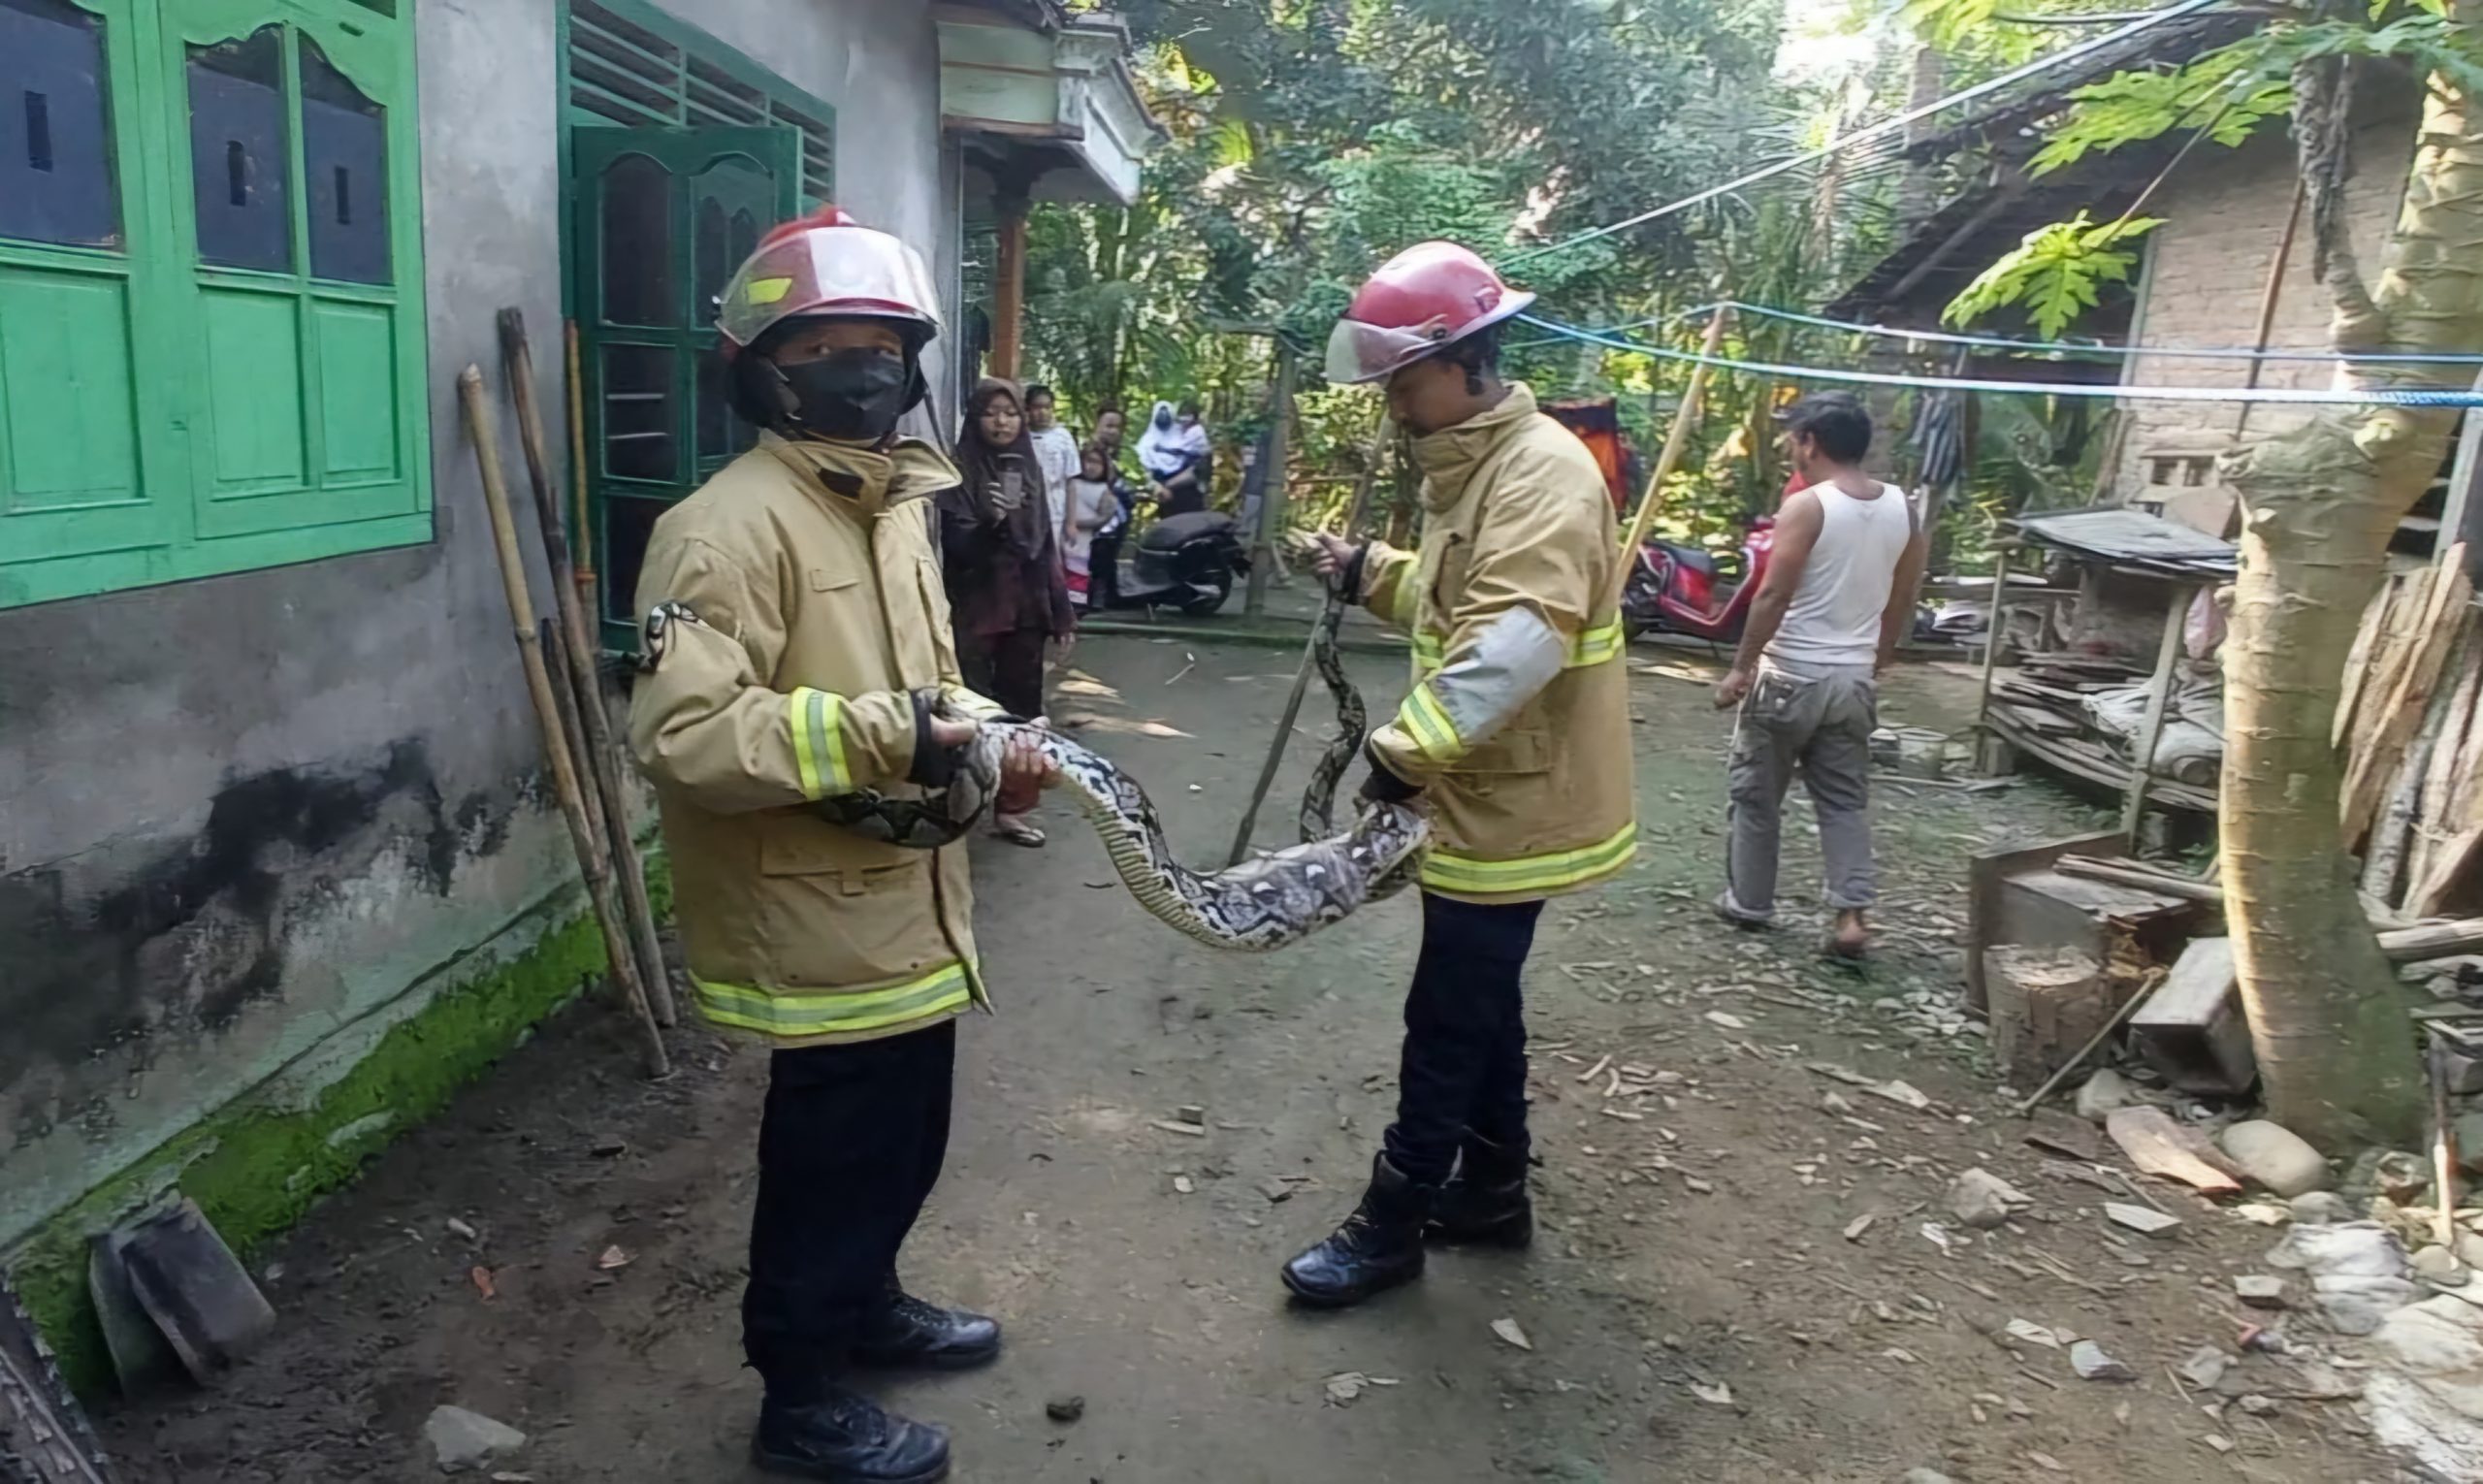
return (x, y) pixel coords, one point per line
(251, 822)
(2209, 269)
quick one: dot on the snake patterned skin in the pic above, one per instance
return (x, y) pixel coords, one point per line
(1264, 903)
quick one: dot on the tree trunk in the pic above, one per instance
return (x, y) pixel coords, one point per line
(2334, 1046)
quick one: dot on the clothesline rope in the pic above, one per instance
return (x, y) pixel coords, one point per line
(1880, 130)
(2004, 343)
(2415, 397)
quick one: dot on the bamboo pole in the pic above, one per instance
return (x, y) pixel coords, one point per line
(608, 804)
(484, 429)
(582, 560)
(1674, 442)
(1332, 611)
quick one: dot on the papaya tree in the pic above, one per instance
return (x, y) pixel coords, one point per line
(2321, 503)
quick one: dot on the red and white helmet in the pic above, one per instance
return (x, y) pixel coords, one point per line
(1424, 299)
(827, 263)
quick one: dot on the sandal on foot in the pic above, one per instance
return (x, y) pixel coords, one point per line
(1018, 832)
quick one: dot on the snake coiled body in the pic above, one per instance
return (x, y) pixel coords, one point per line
(1264, 903)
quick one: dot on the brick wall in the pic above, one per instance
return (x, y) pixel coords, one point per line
(2225, 215)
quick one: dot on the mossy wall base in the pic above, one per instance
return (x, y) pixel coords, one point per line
(260, 1163)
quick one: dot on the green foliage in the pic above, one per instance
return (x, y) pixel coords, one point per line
(2055, 273)
(2219, 94)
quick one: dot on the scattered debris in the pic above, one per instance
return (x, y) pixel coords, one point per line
(463, 1440)
(1854, 1228)
(2321, 1207)
(458, 1226)
(2259, 1213)
(2088, 1360)
(2205, 1368)
(1277, 1191)
(2441, 1268)
(1983, 1200)
(2142, 1219)
(2260, 1290)
(1508, 1332)
(1183, 1184)
(1899, 1093)
(1345, 1386)
(1717, 1395)
(1065, 1409)
(1175, 1126)
(1728, 1022)
(2273, 1155)
(2158, 1145)
(2255, 1405)
(2358, 1271)
(2034, 1334)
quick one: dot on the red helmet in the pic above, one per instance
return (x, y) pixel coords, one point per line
(827, 263)
(1427, 297)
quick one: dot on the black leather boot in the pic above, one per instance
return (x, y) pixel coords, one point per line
(1485, 1202)
(907, 1331)
(1379, 1246)
(834, 1434)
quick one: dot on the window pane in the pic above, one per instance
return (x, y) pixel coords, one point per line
(55, 146)
(345, 150)
(721, 432)
(637, 242)
(637, 412)
(239, 153)
(626, 526)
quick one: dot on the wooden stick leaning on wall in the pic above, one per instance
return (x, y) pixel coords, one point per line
(1333, 606)
(484, 429)
(608, 804)
(583, 560)
(1675, 443)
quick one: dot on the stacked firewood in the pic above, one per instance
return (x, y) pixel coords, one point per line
(2410, 740)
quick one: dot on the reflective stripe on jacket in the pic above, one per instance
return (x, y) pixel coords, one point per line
(1518, 723)
(809, 610)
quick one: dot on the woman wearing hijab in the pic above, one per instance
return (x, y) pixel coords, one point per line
(1174, 450)
(1006, 591)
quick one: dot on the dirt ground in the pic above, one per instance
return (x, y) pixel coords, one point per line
(1702, 1303)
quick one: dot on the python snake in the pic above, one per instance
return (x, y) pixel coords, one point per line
(1267, 902)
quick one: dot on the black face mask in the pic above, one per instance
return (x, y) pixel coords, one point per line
(854, 395)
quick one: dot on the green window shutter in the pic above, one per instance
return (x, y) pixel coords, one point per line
(244, 356)
(677, 152)
(629, 64)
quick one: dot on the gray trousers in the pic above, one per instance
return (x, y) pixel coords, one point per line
(1820, 718)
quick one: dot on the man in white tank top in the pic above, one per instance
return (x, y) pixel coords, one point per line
(1826, 621)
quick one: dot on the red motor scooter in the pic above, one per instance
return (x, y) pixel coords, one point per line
(1676, 589)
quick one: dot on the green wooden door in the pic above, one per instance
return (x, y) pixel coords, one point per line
(663, 218)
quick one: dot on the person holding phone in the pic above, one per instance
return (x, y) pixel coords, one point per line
(1004, 575)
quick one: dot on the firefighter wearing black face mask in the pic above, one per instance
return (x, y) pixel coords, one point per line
(796, 646)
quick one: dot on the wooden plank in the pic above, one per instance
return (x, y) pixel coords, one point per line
(2407, 700)
(2439, 814)
(2158, 1145)
(2144, 877)
(2357, 663)
(2159, 700)
(2431, 940)
(2192, 1028)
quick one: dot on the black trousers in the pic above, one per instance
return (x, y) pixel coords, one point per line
(848, 1149)
(1007, 667)
(1465, 1058)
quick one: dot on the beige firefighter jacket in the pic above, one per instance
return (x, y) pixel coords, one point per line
(810, 609)
(1518, 726)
